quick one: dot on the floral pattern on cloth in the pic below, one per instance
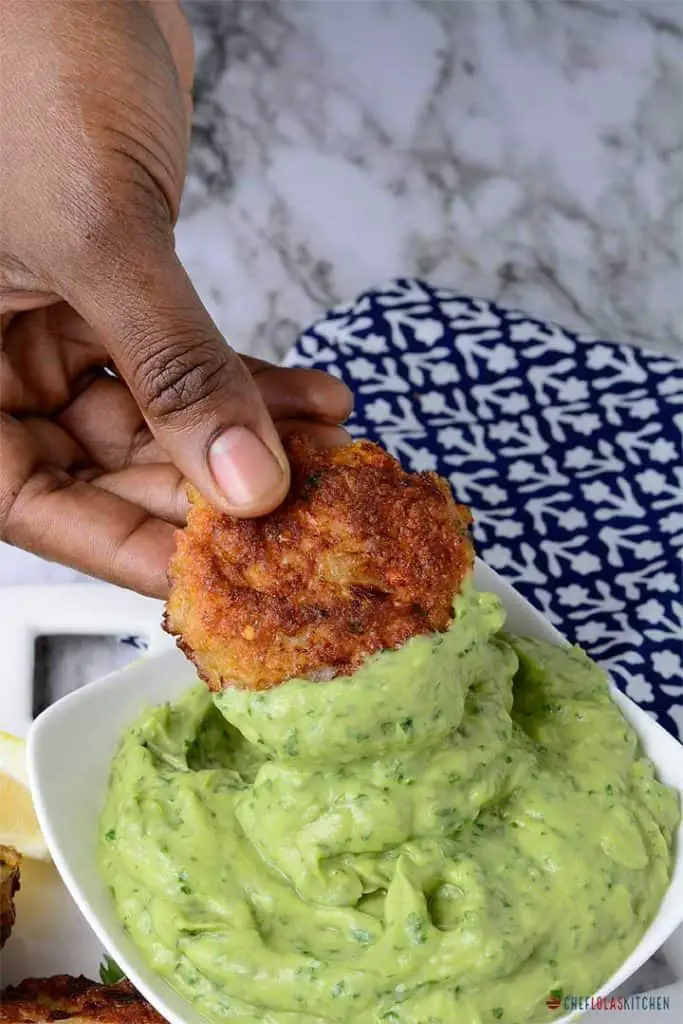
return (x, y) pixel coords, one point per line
(567, 448)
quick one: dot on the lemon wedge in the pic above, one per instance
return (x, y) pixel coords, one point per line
(19, 826)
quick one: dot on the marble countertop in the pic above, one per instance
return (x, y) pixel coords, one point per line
(526, 151)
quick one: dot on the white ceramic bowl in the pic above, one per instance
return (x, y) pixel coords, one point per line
(71, 746)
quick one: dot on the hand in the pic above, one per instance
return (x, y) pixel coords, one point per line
(115, 385)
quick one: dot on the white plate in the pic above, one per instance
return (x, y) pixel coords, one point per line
(72, 744)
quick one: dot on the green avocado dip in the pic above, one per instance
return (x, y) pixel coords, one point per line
(460, 828)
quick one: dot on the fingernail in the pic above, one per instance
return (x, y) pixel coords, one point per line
(244, 469)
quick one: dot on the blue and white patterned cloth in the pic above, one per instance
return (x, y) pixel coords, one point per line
(567, 448)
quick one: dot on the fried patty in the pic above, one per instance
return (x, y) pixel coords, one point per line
(78, 1000)
(361, 556)
(9, 885)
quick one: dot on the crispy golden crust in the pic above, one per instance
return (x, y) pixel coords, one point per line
(77, 1000)
(9, 884)
(360, 557)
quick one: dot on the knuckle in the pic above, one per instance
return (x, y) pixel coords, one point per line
(173, 382)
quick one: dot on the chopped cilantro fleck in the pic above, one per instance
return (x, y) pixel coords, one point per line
(291, 745)
(416, 929)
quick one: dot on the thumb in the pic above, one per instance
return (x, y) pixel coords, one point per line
(196, 394)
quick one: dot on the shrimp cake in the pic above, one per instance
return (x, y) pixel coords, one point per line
(360, 557)
(10, 862)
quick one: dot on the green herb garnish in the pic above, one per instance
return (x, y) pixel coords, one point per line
(110, 972)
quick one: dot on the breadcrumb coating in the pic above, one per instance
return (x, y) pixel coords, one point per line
(76, 1000)
(361, 556)
(10, 863)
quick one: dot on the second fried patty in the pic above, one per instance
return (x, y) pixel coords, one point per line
(10, 862)
(75, 1000)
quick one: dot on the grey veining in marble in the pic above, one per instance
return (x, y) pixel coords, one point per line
(529, 151)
